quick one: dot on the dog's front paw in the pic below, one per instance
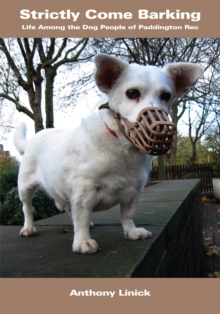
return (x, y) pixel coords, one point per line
(85, 246)
(28, 232)
(138, 233)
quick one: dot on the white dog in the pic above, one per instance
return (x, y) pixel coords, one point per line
(94, 166)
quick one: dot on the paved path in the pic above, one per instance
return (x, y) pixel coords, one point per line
(211, 233)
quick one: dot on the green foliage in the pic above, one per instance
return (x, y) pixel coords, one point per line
(211, 146)
(216, 168)
(184, 150)
(11, 210)
(207, 150)
(8, 176)
(10, 205)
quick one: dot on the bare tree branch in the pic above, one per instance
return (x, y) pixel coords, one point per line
(19, 107)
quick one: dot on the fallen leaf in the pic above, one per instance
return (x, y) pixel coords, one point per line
(206, 199)
(215, 252)
(208, 243)
(206, 248)
(211, 249)
(211, 276)
(209, 253)
(217, 274)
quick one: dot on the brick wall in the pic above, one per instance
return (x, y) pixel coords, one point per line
(177, 252)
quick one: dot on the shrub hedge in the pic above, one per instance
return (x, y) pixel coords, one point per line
(10, 205)
(11, 210)
(8, 175)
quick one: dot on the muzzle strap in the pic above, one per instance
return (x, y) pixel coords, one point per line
(152, 133)
(117, 117)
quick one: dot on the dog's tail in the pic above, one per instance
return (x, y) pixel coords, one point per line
(19, 138)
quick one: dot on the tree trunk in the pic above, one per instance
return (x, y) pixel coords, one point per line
(35, 103)
(174, 120)
(161, 168)
(193, 156)
(50, 75)
(38, 120)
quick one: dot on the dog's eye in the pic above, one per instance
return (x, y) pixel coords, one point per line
(133, 93)
(165, 96)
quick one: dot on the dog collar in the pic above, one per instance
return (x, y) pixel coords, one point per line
(106, 106)
(111, 131)
(117, 117)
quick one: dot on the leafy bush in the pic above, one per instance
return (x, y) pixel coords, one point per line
(216, 168)
(8, 175)
(216, 171)
(11, 210)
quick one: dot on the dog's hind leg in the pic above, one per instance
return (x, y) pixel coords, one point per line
(26, 194)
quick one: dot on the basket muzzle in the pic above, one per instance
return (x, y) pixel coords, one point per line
(152, 133)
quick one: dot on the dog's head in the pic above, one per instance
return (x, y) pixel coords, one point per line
(131, 87)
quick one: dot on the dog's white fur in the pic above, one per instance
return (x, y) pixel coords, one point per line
(89, 169)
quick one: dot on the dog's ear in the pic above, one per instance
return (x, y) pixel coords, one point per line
(108, 70)
(183, 75)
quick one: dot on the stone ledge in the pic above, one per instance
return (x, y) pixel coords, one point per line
(170, 210)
